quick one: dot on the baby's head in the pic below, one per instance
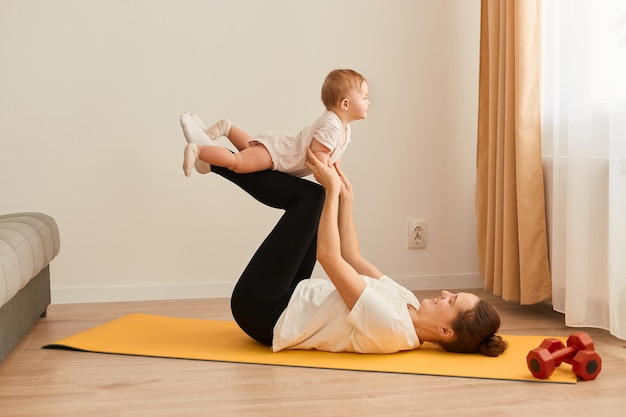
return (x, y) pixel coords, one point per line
(338, 85)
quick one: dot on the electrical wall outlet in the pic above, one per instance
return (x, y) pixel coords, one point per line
(416, 234)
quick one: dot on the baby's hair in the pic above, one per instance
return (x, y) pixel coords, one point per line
(338, 84)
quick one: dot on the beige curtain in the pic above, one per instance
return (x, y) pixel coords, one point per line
(511, 221)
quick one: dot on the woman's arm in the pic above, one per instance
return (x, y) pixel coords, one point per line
(350, 247)
(343, 275)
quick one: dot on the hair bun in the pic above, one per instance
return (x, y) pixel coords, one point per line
(493, 345)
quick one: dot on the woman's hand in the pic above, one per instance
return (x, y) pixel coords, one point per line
(326, 175)
(346, 190)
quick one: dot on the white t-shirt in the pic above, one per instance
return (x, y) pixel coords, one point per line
(317, 318)
(289, 152)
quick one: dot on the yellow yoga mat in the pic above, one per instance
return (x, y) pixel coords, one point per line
(216, 340)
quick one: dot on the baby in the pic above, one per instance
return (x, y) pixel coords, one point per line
(345, 96)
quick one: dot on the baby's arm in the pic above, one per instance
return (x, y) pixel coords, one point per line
(322, 153)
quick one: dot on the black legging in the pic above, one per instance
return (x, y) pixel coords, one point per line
(286, 256)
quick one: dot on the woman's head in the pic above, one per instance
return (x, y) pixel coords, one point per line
(339, 84)
(462, 323)
(475, 331)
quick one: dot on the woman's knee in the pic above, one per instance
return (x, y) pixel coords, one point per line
(252, 318)
(316, 194)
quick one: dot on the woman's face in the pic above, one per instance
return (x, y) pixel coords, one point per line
(445, 308)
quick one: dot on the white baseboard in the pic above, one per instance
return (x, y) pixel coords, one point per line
(70, 295)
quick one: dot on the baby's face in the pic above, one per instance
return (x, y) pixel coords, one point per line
(359, 102)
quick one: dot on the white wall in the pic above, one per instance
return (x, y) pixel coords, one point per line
(91, 91)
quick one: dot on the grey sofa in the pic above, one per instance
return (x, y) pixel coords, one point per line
(28, 242)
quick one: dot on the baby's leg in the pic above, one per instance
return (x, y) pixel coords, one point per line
(239, 138)
(251, 159)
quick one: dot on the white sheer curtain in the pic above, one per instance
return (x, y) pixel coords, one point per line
(584, 147)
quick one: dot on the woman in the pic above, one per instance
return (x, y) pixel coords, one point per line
(359, 309)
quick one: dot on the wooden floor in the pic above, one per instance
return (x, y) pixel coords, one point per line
(46, 383)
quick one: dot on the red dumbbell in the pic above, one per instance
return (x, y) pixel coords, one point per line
(586, 363)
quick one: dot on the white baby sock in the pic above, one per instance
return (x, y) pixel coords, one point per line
(199, 122)
(221, 128)
(193, 133)
(190, 157)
